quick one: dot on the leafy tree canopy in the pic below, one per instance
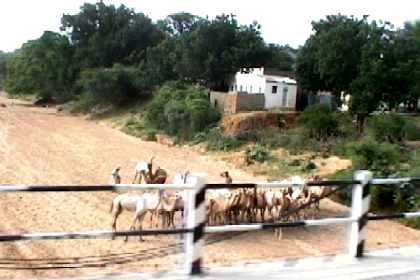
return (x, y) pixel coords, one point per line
(4, 57)
(42, 67)
(105, 34)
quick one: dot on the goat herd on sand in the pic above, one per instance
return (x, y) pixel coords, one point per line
(223, 206)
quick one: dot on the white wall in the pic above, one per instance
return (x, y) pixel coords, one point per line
(278, 100)
(255, 82)
(292, 96)
(251, 83)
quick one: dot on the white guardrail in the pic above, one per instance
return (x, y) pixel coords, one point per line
(196, 214)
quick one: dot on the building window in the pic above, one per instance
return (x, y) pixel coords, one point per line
(259, 90)
(236, 87)
(240, 88)
(250, 89)
(274, 89)
(284, 97)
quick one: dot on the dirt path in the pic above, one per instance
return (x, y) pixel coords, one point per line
(37, 145)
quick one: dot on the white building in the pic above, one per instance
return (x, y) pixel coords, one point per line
(279, 91)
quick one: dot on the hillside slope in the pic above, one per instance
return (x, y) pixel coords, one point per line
(41, 146)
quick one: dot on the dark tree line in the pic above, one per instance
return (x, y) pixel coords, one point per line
(371, 61)
(4, 57)
(109, 54)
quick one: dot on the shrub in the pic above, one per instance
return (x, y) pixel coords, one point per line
(278, 141)
(295, 162)
(390, 128)
(149, 134)
(346, 126)
(182, 110)
(381, 158)
(217, 141)
(135, 126)
(340, 147)
(319, 122)
(392, 198)
(177, 118)
(298, 143)
(273, 138)
(381, 196)
(248, 135)
(258, 153)
(104, 86)
(411, 131)
(344, 194)
(200, 137)
(84, 103)
(310, 166)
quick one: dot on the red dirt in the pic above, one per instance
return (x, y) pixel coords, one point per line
(241, 122)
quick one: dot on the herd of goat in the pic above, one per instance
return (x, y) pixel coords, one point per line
(223, 206)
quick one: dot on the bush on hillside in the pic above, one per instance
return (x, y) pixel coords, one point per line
(319, 122)
(258, 153)
(380, 157)
(217, 141)
(346, 126)
(108, 86)
(177, 118)
(135, 126)
(411, 131)
(250, 135)
(181, 110)
(390, 128)
(383, 159)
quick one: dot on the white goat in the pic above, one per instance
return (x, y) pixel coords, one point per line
(115, 176)
(141, 169)
(140, 204)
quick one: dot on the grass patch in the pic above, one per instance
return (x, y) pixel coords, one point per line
(217, 141)
(279, 168)
(136, 126)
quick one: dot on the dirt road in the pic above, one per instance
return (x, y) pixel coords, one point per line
(39, 146)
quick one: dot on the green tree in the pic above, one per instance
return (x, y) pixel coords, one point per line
(215, 49)
(117, 85)
(307, 68)
(281, 57)
(181, 109)
(406, 68)
(4, 57)
(319, 122)
(158, 66)
(374, 79)
(351, 55)
(333, 53)
(42, 67)
(104, 34)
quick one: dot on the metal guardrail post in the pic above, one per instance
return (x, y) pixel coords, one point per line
(359, 212)
(196, 219)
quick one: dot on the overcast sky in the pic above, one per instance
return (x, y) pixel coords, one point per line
(283, 22)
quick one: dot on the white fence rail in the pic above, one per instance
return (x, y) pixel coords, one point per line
(195, 212)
